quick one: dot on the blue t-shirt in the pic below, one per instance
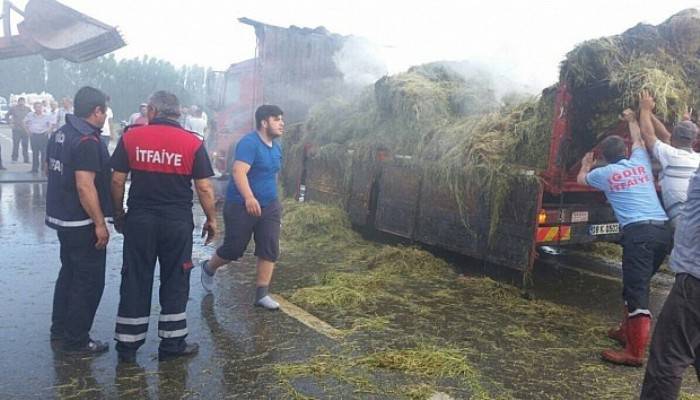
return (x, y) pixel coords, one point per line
(265, 162)
(629, 187)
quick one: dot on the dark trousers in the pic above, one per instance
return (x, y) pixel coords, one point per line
(20, 138)
(79, 286)
(644, 248)
(675, 344)
(39, 142)
(147, 238)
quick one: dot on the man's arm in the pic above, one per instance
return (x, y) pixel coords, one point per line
(240, 177)
(24, 125)
(205, 192)
(661, 132)
(646, 104)
(586, 165)
(118, 185)
(635, 131)
(87, 192)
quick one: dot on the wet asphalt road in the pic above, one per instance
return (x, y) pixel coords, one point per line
(237, 340)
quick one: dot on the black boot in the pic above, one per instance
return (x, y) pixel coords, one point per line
(126, 357)
(92, 347)
(190, 350)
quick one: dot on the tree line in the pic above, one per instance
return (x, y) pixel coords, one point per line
(128, 82)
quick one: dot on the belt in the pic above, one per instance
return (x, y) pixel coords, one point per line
(646, 222)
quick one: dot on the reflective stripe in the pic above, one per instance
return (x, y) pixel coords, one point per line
(172, 334)
(68, 224)
(132, 321)
(123, 337)
(172, 317)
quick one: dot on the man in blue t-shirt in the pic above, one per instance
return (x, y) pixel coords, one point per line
(629, 186)
(252, 206)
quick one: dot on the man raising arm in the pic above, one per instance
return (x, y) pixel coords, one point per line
(628, 185)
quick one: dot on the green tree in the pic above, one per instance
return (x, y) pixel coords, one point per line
(128, 82)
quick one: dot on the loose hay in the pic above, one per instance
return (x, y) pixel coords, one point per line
(412, 325)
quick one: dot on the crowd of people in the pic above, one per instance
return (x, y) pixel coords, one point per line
(32, 124)
(86, 188)
(651, 228)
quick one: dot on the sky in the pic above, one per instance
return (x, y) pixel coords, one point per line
(524, 40)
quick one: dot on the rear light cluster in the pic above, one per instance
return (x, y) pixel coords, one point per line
(557, 216)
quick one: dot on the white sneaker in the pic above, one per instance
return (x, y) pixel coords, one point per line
(207, 280)
(268, 303)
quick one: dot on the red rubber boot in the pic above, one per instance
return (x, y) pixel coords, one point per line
(637, 338)
(620, 334)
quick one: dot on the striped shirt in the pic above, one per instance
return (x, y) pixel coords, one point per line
(678, 166)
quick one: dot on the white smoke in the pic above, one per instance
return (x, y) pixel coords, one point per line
(360, 62)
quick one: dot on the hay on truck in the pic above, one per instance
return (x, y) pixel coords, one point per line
(486, 153)
(606, 75)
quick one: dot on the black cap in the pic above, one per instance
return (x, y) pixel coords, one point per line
(685, 130)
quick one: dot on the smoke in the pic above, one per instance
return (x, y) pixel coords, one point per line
(360, 62)
(501, 80)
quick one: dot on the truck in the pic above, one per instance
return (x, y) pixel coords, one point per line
(292, 66)
(543, 208)
(392, 194)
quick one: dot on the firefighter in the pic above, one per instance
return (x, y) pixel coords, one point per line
(77, 203)
(252, 206)
(163, 159)
(628, 184)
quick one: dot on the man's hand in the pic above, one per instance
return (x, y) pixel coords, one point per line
(119, 220)
(629, 115)
(688, 114)
(253, 207)
(646, 101)
(586, 165)
(209, 230)
(102, 236)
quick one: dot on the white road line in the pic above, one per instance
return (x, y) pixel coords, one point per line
(307, 319)
(440, 396)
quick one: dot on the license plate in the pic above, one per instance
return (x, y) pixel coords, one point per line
(579, 216)
(604, 229)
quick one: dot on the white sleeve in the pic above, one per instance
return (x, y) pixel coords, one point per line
(662, 152)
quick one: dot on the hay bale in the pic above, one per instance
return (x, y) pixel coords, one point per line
(682, 30)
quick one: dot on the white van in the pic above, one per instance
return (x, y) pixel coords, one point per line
(4, 109)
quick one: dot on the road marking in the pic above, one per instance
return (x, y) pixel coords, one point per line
(307, 319)
(589, 273)
(440, 396)
(655, 279)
